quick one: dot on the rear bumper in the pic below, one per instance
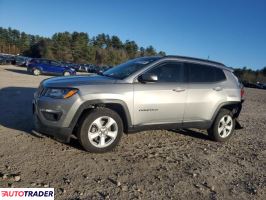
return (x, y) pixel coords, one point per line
(238, 109)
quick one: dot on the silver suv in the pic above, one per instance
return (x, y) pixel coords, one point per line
(146, 93)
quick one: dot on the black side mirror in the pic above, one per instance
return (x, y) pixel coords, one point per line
(148, 78)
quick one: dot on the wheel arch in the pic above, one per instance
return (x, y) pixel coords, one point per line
(118, 106)
(37, 67)
(234, 106)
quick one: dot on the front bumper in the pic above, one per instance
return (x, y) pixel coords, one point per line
(59, 133)
(53, 116)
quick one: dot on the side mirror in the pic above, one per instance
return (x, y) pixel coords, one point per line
(148, 78)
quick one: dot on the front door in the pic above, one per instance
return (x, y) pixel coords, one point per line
(163, 101)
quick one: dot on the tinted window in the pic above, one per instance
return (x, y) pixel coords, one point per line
(43, 61)
(219, 75)
(55, 63)
(203, 73)
(169, 72)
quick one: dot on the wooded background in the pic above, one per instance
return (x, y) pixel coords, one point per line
(103, 49)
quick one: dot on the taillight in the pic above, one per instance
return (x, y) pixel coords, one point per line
(242, 93)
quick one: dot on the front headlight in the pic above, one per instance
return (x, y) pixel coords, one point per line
(60, 93)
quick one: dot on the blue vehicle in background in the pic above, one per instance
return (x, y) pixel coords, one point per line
(44, 66)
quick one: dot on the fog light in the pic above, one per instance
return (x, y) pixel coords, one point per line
(51, 115)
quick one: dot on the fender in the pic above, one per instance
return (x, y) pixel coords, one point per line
(38, 67)
(235, 104)
(91, 103)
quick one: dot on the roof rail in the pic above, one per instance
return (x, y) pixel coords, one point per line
(194, 59)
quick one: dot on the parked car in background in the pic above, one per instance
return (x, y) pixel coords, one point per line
(103, 69)
(249, 85)
(90, 68)
(84, 67)
(261, 85)
(6, 59)
(93, 68)
(77, 67)
(44, 66)
(2, 61)
(96, 69)
(71, 65)
(20, 61)
(254, 85)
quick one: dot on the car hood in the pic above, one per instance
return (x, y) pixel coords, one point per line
(75, 81)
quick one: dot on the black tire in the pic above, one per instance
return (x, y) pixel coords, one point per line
(86, 124)
(213, 131)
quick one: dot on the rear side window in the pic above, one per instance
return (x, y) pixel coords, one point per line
(55, 63)
(35, 61)
(43, 61)
(169, 72)
(204, 73)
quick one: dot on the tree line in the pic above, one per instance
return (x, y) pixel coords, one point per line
(251, 76)
(78, 47)
(75, 47)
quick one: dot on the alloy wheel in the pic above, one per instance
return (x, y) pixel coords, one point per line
(225, 126)
(103, 131)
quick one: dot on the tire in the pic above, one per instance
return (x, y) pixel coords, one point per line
(223, 126)
(36, 72)
(93, 134)
(66, 73)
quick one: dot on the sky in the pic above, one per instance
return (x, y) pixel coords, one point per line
(229, 31)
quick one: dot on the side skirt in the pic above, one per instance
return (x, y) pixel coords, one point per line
(199, 125)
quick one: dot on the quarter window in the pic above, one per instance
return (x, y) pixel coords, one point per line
(54, 63)
(203, 73)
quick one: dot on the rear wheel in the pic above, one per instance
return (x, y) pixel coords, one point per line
(223, 126)
(66, 74)
(100, 131)
(36, 72)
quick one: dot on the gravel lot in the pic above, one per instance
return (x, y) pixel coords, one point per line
(181, 164)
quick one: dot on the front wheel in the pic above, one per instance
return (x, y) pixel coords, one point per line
(223, 126)
(100, 131)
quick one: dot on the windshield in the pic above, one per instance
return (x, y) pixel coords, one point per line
(126, 69)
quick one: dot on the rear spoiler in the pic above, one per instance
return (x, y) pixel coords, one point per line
(230, 69)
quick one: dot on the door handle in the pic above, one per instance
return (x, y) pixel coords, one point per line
(217, 88)
(178, 89)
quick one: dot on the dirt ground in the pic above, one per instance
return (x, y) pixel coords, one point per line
(181, 164)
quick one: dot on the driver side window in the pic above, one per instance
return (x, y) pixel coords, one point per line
(169, 72)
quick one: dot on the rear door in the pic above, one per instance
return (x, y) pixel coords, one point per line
(204, 93)
(44, 66)
(161, 102)
(56, 67)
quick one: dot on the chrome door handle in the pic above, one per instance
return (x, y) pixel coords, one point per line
(217, 88)
(178, 89)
